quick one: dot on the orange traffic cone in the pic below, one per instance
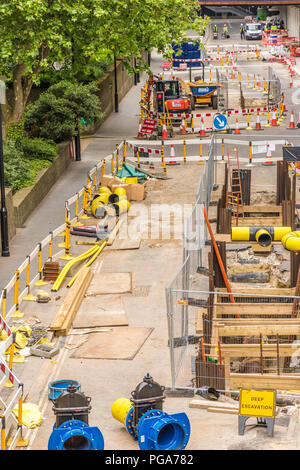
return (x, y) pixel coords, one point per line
(268, 157)
(258, 124)
(172, 160)
(164, 131)
(202, 130)
(274, 120)
(182, 127)
(298, 123)
(237, 129)
(292, 122)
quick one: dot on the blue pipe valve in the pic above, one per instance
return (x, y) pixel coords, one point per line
(75, 435)
(157, 430)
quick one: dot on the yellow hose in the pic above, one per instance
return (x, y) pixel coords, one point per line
(91, 260)
(69, 265)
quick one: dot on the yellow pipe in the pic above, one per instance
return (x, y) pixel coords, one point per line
(120, 408)
(291, 241)
(240, 233)
(69, 265)
(250, 233)
(279, 232)
(91, 260)
(263, 237)
(104, 189)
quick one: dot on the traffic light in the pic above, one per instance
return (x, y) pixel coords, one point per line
(160, 102)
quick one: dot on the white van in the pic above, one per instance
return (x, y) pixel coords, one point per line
(253, 31)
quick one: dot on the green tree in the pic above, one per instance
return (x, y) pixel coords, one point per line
(34, 34)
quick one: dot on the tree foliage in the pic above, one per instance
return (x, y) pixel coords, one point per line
(57, 112)
(34, 34)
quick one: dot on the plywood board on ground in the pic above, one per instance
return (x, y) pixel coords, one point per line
(110, 283)
(103, 310)
(121, 343)
(120, 244)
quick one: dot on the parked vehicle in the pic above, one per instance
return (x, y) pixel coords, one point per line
(253, 31)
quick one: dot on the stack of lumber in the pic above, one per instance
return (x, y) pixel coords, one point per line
(51, 270)
(67, 312)
(215, 406)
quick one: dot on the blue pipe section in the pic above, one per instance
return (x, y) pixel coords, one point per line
(157, 430)
(75, 435)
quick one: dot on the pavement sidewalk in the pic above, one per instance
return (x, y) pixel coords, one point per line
(50, 212)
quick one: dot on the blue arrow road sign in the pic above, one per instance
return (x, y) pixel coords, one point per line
(220, 121)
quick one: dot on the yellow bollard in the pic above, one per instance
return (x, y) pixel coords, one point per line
(163, 160)
(250, 152)
(201, 162)
(84, 204)
(17, 313)
(3, 439)
(40, 282)
(67, 255)
(117, 157)
(248, 120)
(112, 164)
(8, 383)
(28, 296)
(138, 158)
(124, 152)
(4, 304)
(223, 149)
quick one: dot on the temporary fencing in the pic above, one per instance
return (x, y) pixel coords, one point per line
(213, 347)
(29, 275)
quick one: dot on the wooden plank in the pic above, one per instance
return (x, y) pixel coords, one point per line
(204, 404)
(256, 321)
(261, 249)
(114, 232)
(227, 411)
(199, 320)
(253, 350)
(267, 208)
(252, 330)
(69, 300)
(281, 291)
(87, 277)
(279, 382)
(260, 221)
(253, 309)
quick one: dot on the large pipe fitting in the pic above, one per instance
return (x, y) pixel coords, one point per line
(147, 423)
(291, 241)
(262, 235)
(71, 430)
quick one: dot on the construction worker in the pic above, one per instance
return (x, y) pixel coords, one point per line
(225, 31)
(215, 32)
(242, 31)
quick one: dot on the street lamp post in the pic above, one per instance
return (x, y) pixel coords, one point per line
(116, 86)
(3, 212)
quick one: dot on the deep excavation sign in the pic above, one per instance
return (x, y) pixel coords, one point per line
(258, 403)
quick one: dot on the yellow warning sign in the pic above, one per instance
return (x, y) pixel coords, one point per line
(260, 403)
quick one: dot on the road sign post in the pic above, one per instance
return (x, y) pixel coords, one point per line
(220, 122)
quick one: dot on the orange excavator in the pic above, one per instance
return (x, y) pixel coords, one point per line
(168, 97)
